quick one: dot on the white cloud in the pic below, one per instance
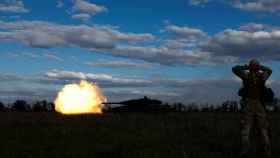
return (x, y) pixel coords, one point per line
(59, 4)
(198, 2)
(10, 77)
(102, 39)
(118, 64)
(29, 55)
(244, 44)
(13, 7)
(179, 43)
(47, 35)
(189, 46)
(162, 55)
(258, 5)
(59, 74)
(117, 35)
(32, 55)
(270, 6)
(51, 56)
(106, 80)
(86, 7)
(83, 16)
(254, 27)
(186, 32)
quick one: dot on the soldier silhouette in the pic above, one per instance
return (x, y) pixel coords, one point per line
(253, 76)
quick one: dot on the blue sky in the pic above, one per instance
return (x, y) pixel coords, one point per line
(179, 50)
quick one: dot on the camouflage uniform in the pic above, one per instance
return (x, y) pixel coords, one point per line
(253, 107)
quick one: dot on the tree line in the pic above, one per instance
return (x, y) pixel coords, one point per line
(226, 106)
(24, 106)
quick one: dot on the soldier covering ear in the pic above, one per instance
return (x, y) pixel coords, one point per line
(253, 76)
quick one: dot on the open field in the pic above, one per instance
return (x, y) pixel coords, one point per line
(189, 135)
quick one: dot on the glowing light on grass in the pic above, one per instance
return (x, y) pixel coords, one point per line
(82, 98)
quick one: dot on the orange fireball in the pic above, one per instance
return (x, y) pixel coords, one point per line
(81, 98)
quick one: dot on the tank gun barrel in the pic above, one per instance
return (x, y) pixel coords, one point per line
(108, 103)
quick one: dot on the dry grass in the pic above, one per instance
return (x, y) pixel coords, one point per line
(189, 135)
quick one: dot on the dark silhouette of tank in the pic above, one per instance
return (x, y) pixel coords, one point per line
(139, 105)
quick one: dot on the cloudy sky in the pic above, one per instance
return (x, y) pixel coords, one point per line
(173, 50)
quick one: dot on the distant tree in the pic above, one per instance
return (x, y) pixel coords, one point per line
(192, 107)
(40, 106)
(208, 108)
(9, 106)
(37, 107)
(228, 106)
(43, 106)
(20, 105)
(51, 107)
(179, 107)
(225, 106)
(2, 106)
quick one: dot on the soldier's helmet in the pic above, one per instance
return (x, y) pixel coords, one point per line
(254, 65)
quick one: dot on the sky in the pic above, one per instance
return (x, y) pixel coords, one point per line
(175, 51)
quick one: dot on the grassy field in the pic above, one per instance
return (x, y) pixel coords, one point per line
(178, 135)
